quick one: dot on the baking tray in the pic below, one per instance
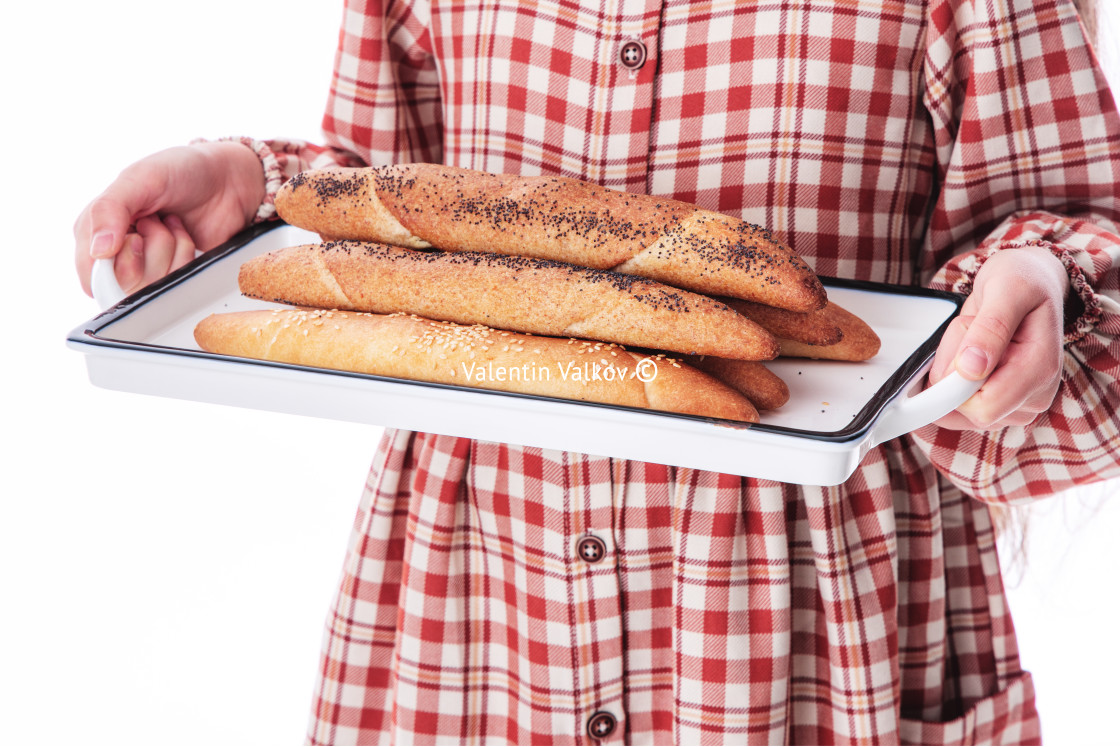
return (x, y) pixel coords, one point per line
(837, 411)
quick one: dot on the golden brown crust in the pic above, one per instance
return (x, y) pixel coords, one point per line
(764, 388)
(812, 327)
(409, 347)
(339, 203)
(522, 294)
(552, 218)
(858, 342)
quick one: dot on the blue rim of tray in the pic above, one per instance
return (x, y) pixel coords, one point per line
(88, 334)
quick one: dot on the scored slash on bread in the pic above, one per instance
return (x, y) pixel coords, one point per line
(522, 294)
(409, 347)
(558, 218)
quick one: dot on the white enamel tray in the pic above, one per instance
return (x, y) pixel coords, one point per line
(837, 411)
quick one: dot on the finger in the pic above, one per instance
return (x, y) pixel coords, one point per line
(1025, 382)
(956, 421)
(83, 262)
(102, 227)
(129, 263)
(113, 212)
(1001, 311)
(184, 244)
(946, 354)
(159, 248)
(946, 357)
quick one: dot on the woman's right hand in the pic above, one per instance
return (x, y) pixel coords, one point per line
(162, 208)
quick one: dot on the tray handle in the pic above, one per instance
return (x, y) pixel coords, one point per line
(908, 413)
(103, 280)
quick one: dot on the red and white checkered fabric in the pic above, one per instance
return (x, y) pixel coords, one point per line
(900, 141)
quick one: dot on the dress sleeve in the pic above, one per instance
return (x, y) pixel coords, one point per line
(384, 99)
(1027, 141)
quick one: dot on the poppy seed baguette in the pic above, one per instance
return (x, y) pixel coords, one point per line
(409, 347)
(521, 294)
(557, 218)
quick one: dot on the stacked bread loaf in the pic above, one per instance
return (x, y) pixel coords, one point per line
(540, 285)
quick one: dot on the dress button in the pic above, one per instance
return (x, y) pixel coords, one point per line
(633, 54)
(601, 725)
(591, 549)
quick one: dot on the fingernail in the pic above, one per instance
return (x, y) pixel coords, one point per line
(973, 363)
(173, 221)
(102, 245)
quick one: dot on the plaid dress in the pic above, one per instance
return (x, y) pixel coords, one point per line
(900, 141)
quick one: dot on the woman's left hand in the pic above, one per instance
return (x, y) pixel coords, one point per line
(1010, 332)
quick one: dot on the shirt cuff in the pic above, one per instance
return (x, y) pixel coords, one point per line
(273, 174)
(1083, 308)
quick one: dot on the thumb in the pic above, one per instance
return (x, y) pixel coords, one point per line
(111, 215)
(1002, 309)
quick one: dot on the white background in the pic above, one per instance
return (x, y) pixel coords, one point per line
(166, 567)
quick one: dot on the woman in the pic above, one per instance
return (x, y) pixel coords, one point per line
(948, 143)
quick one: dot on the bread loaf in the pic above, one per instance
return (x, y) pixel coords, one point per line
(764, 388)
(858, 342)
(425, 205)
(812, 327)
(522, 294)
(410, 347)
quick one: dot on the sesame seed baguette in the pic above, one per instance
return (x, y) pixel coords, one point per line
(764, 388)
(521, 294)
(558, 218)
(410, 347)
